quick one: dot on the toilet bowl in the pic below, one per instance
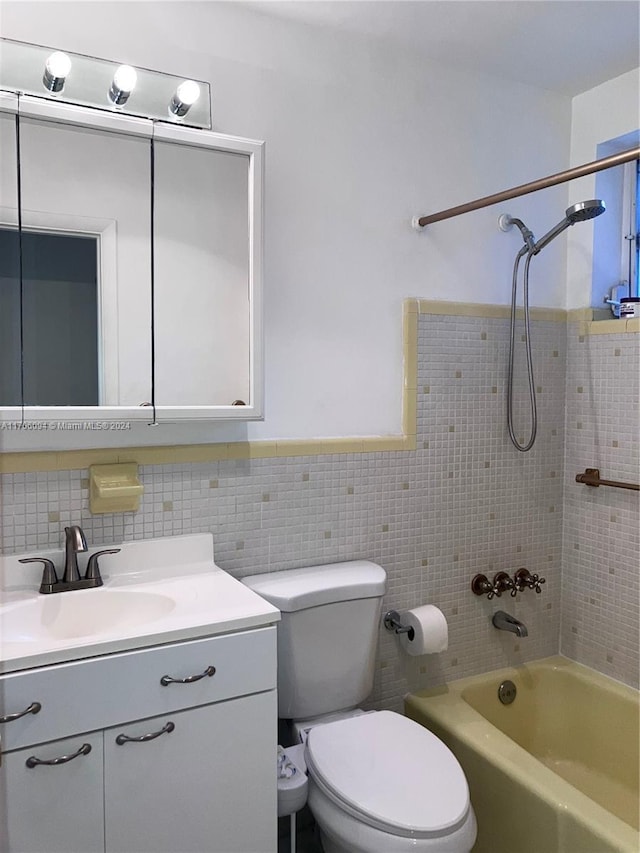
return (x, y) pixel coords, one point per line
(381, 782)
(378, 782)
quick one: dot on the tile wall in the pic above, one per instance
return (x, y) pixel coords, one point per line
(601, 563)
(464, 502)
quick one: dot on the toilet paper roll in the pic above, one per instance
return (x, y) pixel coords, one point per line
(430, 631)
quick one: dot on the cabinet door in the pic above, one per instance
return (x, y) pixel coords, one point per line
(207, 785)
(53, 808)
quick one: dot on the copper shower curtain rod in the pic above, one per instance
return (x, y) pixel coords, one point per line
(533, 186)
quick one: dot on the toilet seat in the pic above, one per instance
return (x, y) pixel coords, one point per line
(390, 773)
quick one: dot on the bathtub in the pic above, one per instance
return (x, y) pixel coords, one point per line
(556, 771)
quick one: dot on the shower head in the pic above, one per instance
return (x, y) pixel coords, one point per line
(579, 212)
(584, 210)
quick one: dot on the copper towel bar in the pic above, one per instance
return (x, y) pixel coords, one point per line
(591, 477)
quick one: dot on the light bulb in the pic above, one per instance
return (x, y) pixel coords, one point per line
(184, 98)
(188, 92)
(123, 83)
(126, 78)
(58, 64)
(56, 70)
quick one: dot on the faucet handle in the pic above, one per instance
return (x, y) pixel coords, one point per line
(535, 582)
(93, 569)
(49, 576)
(502, 583)
(481, 585)
(523, 578)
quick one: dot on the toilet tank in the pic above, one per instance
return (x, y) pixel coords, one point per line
(327, 636)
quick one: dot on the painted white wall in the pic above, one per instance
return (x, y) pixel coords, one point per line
(360, 137)
(607, 112)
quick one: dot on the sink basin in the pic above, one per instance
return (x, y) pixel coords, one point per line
(156, 591)
(83, 613)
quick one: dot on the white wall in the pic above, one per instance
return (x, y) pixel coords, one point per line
(606, 112)
(360, 137)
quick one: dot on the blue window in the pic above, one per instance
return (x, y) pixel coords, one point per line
(632, 238)
(616, 250)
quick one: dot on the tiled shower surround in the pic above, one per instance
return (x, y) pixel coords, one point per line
(464, 502)
(601, 563)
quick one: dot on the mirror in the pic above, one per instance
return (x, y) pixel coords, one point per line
(57, 310)
(85, 191)
(202, 251)
(131, 288)
(10, 347)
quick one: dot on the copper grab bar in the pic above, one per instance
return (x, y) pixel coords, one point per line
(531, 187)
(591, 477)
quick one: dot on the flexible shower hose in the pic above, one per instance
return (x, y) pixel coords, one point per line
(527, 337)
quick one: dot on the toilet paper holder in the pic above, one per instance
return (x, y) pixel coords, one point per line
(392, 622)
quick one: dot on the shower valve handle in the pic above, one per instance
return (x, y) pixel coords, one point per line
(523, 579)
(536, 583)
(481, 585)
(503, 583)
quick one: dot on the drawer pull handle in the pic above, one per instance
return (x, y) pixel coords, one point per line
(32, 761)
(33, 708)
(166, 679)
(143, 738)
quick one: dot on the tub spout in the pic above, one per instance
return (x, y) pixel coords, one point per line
(504, 622)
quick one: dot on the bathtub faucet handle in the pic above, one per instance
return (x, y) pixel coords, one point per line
(481, 585)
(536, 581)
(523, 578)
(502, 583)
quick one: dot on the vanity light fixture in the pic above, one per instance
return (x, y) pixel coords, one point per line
(58, 75)
(122, 85)
(56, 71)
(184, 98)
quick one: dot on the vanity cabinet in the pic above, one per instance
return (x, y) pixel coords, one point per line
(53, 809)
(203, 786)
(205, 782)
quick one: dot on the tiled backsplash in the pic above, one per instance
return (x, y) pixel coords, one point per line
(464, 502)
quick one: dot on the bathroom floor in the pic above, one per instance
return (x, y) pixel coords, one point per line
(306, 843)
(306, 836)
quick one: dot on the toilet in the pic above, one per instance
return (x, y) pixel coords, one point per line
(378, 782)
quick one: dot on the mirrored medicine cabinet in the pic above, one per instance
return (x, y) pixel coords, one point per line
(130, 267)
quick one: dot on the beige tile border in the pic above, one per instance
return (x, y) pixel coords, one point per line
(410, 368)
(588, 323)
(29, 462)
(498, 312)
(592, 318)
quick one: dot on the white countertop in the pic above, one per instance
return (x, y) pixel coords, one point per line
(206, 601)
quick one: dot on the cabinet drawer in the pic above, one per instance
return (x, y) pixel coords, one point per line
(84, 696)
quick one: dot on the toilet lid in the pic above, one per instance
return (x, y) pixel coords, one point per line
(389, 772)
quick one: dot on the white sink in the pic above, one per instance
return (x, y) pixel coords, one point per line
(83, 613)
(155, 591)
